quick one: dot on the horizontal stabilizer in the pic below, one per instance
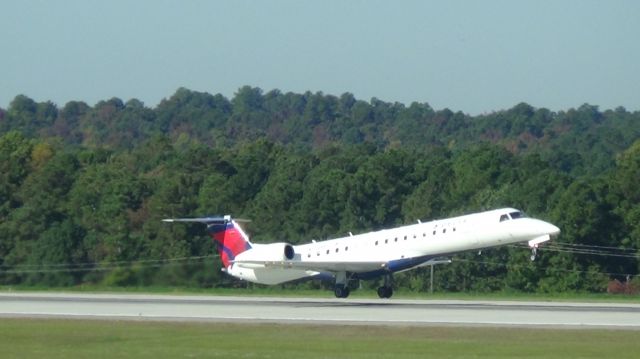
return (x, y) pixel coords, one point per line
(207, 220)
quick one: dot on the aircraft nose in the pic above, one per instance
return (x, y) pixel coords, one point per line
(532, 228)
(551, 229)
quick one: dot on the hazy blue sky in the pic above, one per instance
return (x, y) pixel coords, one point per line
(472, 56)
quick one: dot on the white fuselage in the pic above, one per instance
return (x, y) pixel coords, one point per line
(391, 250)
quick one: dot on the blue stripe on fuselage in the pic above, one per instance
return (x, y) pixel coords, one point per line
(395, 266)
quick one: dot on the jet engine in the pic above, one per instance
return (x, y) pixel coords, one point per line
(270, 252)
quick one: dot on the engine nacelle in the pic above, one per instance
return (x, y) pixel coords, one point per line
(269, 252)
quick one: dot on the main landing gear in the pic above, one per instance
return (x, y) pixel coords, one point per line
(386, 291)
(341, 290)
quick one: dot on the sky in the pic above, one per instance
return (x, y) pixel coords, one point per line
(470, 56)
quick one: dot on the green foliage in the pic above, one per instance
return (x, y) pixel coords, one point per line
(15, 156)
(83, 189)
(577, 141)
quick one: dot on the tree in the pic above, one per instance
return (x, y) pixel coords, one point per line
(15, 156)
(625, 179)
(585, 218)
(431, 197)
(480, 171)
(102, 201)
(274, 209)
(42, 201)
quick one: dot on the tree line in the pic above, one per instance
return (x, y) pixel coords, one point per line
(83, 189)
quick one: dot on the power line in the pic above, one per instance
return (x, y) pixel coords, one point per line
(587, 250)
(97, 266)
(90, 264)
(552, 268)
(595, 253)
(579, 245)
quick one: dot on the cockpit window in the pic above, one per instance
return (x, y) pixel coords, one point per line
(512, 215)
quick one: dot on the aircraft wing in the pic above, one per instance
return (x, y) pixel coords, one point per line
(320, 266)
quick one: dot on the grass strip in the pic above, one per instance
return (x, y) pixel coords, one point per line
(54, 338)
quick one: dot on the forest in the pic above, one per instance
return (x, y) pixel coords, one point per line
(83, 188)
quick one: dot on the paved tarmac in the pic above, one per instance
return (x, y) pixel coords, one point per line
(320, 311)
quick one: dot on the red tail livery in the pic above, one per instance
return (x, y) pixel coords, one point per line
(229, 238)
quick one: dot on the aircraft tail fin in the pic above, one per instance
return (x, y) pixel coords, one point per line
(227, 234)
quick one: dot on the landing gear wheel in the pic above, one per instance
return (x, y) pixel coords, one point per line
(385, 292)
(341, 291)
(534, 252)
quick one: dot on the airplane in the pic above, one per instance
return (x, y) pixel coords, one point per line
(373, 254)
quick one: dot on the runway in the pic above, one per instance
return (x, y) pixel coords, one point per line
(321, 311)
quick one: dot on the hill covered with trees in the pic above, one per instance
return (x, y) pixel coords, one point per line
(83, 188)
